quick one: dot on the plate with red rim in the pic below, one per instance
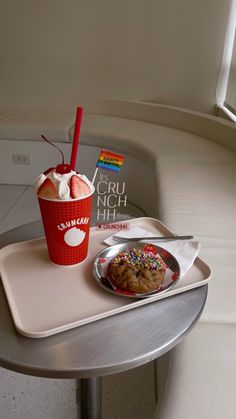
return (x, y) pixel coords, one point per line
(102, 259)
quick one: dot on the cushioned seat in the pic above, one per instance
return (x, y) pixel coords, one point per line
(201, 378)
(28, 125)
(200, 199)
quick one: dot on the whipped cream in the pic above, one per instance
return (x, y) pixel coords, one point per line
(61, 182)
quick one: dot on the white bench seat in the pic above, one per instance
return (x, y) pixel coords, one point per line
(29, 125)
(200, 199)
(201, 378)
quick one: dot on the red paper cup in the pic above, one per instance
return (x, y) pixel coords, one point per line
(67, 225)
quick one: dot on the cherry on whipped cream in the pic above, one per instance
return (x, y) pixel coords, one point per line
(63, 168)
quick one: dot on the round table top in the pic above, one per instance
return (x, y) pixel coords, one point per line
(107, 346)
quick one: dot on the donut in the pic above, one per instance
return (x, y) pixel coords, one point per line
(137, 271)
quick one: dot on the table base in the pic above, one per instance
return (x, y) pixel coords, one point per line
(89, 398)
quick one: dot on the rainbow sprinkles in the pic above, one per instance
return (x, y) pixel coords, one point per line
(141, 259)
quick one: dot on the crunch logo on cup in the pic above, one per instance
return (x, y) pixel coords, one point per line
(72, 223)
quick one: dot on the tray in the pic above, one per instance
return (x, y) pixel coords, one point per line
(46, 299)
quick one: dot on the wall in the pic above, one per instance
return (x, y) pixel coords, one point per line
(54, 53)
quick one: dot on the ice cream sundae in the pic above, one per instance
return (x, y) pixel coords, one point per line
(65, 200)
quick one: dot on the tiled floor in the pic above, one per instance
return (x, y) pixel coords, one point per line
(126, 395)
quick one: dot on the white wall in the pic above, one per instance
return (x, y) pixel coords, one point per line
(55, 52)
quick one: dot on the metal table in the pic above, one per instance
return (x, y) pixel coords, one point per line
(104, 347)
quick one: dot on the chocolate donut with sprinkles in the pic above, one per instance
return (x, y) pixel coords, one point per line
(137, 271)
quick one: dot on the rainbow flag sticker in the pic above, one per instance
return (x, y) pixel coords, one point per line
(110, 161)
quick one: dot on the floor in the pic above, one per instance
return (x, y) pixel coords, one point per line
(126, 395)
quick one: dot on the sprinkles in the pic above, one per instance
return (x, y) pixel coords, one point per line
(141, 259)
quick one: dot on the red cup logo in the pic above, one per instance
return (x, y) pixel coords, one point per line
(74, 236)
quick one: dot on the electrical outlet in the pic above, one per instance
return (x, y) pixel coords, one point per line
(21, 158)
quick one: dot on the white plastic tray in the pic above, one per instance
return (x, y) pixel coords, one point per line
(45, 299)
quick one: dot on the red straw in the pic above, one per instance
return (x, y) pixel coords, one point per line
(76, 137)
